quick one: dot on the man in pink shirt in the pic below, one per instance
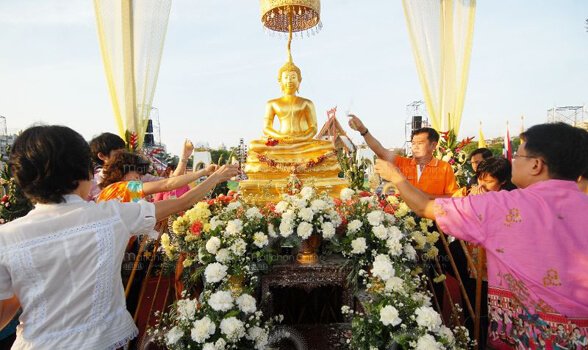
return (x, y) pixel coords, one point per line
(536, 239)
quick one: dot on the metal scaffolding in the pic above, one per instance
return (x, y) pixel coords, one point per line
(573, 115)
(416, 117)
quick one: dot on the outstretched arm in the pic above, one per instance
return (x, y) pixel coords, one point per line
(356, 124)
(167, 207)
(173, 183)
(186, 152)
(417, 200)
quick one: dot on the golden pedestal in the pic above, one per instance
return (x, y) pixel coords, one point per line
(269, 168)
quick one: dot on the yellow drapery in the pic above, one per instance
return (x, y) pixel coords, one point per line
(441, 36)
(131, 34)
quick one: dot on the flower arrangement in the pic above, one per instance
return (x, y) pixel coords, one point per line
(223, 320)
(451, 151)
(384, 242)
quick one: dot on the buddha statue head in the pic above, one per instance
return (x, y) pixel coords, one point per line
(289, 77)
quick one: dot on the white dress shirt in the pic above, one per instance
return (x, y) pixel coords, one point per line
(63, 263)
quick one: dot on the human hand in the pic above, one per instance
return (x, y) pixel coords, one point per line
(356, 124)
(226, 172)
(211, 169)
(388, 171)
(188, 149)
(478, 189)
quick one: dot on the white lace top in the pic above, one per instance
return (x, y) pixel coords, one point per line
(63, 263)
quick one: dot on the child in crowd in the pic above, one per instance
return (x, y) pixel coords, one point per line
(61, 262)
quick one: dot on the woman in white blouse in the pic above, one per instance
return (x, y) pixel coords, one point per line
(61, 262)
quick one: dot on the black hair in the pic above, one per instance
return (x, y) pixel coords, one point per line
(432, 134)
(49, 161)
(105, 143)
(484, 152)
(499, 168)
(562, 147)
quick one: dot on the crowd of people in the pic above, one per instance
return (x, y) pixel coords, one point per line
(525, 222)
(61, 262)
(534, 237)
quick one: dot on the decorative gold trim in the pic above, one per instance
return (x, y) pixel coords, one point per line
(275, 14)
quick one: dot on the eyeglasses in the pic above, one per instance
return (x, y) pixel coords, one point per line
(516, 155)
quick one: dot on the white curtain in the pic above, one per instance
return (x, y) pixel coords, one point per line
(441, 33)
(131, 35)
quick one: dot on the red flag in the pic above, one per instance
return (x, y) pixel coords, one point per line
(507, 148)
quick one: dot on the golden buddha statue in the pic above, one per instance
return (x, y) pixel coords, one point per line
(290, 151)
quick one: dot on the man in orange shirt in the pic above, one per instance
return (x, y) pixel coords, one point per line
(427, 173)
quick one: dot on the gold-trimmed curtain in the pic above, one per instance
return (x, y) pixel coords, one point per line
(441, 35)
(131, 34)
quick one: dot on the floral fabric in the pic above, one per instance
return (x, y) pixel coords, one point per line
(537, 255)
(123, 191)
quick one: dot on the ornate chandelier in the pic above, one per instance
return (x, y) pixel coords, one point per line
(301, 15)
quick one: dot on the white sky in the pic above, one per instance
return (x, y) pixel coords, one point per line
(219, 67)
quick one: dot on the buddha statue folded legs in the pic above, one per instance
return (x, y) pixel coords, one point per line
(291, 149)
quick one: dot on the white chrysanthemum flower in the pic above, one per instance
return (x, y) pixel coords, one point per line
(390, 218)
(328, 230)
(209, 346)
(233, 328)
(428, 342)
(307, 192)
(383, 268)
(186, 309)
(394, 233)
(220, 344)
(410, 252)
(215, 222)
(394, 247)
(375, 217)
(233, 205)
(212, 245)
(260, 239)
(300, 203)
(223, 256)
(174, 334)
(215, 272)
(429, 318)
(318, 205)
(259, 336)
(395, 284)
(271, 230)
(446, 333)
(389, 316)
(304, 230)
(380, 231)
(202, 330)
(247, 303)
(289, 215)
(286, 228)
(346, 194)
(253, 213)
(234, 227)
(358, 246)
(281, 207)
(306, 214)
(335, 218)
(221, 301)
(421, 298)
(353, 226)
(239, 247)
